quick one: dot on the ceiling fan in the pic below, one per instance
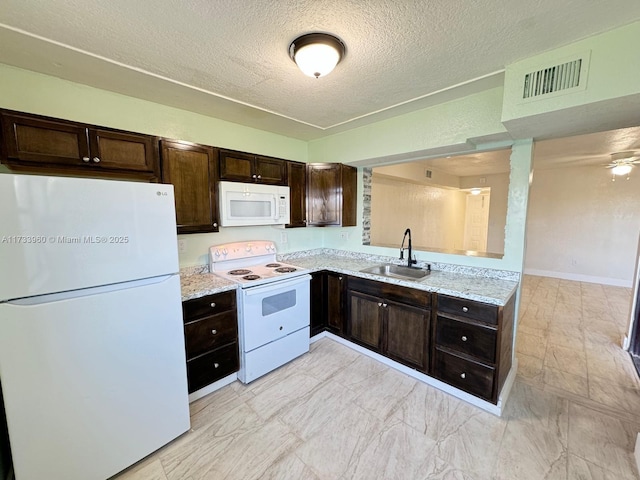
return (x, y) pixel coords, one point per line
(623, 162)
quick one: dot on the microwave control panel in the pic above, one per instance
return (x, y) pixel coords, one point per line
(282, 209)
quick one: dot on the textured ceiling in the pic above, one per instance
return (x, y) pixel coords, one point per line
(229, 59)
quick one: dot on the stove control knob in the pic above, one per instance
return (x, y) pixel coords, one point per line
(248, 247)
(217, 253)
(225, 251)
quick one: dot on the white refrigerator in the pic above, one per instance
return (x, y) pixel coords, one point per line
(92, 355)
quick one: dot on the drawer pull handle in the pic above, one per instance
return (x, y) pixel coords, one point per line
(213, 305)
(464, 338)
(214, 332)
(216, 365)
(463, 375)
(465, 309)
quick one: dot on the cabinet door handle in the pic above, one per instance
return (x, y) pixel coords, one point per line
(465, 309)
(464, 338)
(85, 159)
(384, 305)
(340, 278)
(213, 304)
(463, 375)
(259, 177)
(216, 365)
(254, 176)
(96, 160)
(215, 224)
(379, 304)
(214, 331)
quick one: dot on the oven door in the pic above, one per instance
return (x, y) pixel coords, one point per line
(274, 310)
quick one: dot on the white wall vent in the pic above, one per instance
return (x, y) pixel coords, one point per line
(564, 77)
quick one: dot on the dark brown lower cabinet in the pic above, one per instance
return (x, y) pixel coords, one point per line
(211, 338)
(327, 302)
(391, 320)
(472, 346)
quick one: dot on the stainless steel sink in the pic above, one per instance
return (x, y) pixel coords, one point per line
(398, 271)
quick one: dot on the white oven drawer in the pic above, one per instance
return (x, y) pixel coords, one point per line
(273, 311)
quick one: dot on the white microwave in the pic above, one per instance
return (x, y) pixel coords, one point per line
(243, 204)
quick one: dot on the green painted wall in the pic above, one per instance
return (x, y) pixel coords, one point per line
(614, 72)
(45, 95)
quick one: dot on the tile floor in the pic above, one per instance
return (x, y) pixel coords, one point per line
(337, 414)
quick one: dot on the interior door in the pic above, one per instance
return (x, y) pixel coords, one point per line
(476, 225)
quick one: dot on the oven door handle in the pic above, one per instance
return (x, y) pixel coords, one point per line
(278, 285)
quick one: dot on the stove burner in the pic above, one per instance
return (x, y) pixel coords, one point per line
(272, 265)
(285, 269)
(240, 271)
(251, 277)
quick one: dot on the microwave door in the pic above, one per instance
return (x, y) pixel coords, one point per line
(244, 208)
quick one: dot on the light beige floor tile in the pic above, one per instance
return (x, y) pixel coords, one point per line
(208, 409)
(471, 441)
(311, 413)
(358, 371)
(427, 410)
(606, 441)
(336, 447)
(530, 368)
(620, 397)
(437, 469)
(147, 470)
(380, 394)
(581, 469)
(535, 441)
(613, 363)
(327, 359)
(396, 451)
(278, 397)
(575, 384)
(288, 467)
(566, 359)
(568, 341)
(531, 345)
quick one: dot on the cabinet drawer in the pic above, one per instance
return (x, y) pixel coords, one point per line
(482, 312)
(471, 377)
(209, 305)
(210, 332)
(476, 340)
(390, 291)
(212, 366)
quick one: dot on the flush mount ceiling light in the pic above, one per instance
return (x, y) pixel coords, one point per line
(475, 191)
(316, 54)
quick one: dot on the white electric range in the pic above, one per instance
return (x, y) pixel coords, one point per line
(273, 305)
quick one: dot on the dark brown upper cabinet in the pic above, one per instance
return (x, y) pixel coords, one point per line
(297, 180)
(53, 146)
(191, 169)
(245, 167)
(331, 194)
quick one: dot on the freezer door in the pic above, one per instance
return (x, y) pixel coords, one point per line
(59, 234)
(93, 384)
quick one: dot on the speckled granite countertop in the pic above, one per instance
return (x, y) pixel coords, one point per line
(196, 282)
(483, 285)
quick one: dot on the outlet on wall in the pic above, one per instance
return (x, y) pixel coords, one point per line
(182, 245)
(283, 237)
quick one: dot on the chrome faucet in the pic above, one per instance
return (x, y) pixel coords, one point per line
(410, 261)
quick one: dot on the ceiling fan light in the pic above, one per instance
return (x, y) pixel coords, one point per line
(622, 169)
(316, 54)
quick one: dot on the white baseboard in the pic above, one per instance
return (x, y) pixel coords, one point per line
(637, 452)
(577, 277)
